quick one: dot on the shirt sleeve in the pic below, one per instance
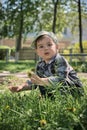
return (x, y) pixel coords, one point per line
(64, 74)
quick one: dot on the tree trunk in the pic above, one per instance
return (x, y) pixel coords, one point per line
(80, 27)
(55, 15)
(19, 38)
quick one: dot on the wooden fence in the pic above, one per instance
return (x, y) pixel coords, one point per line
(78, 56)
(29, 54)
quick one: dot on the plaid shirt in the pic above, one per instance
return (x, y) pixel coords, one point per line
(58, 71)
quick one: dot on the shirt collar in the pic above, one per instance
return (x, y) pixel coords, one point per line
(52, 59)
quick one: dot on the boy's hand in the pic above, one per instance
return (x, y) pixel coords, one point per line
(15, 89)
(39, 81)
(19, 88)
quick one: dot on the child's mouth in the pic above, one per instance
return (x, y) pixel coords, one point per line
(46, 53)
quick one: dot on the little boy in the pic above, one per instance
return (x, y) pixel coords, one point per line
(52, 69)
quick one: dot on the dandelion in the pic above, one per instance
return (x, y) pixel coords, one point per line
(31, 72)
(33, 69)
(73, 109)
(7, 107)
(43, 122)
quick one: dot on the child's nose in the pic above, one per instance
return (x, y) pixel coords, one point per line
(45, 47)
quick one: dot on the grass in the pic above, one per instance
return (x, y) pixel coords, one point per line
(21, 66)
(29, 111)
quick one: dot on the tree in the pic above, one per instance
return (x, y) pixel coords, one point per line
(75, 18)
(20, 18)
(2, 27)
(24, 16)
(80, 26)
(55, 3)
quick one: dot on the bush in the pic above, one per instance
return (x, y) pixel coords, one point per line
(12, 52)
(79, 66)
(3, 52)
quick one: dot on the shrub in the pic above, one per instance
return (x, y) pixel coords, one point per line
(12, 52)
(3, 52)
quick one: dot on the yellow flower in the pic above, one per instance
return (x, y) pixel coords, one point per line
(43, 122)
(72, 109)
(7, 107)
(31, 72)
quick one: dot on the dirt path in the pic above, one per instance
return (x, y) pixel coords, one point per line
(82, 75)
(19, 78)
(24, 75)
(20, 74)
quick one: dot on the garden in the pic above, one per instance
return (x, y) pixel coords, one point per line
(29, 111)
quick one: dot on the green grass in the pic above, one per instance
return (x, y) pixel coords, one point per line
(79, 66)
(29, 111)
(21, 66)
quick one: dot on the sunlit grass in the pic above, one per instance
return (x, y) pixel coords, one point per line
(28, 110)
(21, 66)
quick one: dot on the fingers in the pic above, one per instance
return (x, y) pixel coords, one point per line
(35, 79)
(13, 89)
(35, 76)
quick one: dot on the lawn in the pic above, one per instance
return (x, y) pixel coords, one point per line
(29, 111)
(21, 66)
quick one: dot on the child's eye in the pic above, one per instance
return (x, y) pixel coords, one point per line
(49, 44)
(40, 47)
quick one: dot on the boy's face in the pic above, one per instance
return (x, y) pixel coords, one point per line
(46, 48)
